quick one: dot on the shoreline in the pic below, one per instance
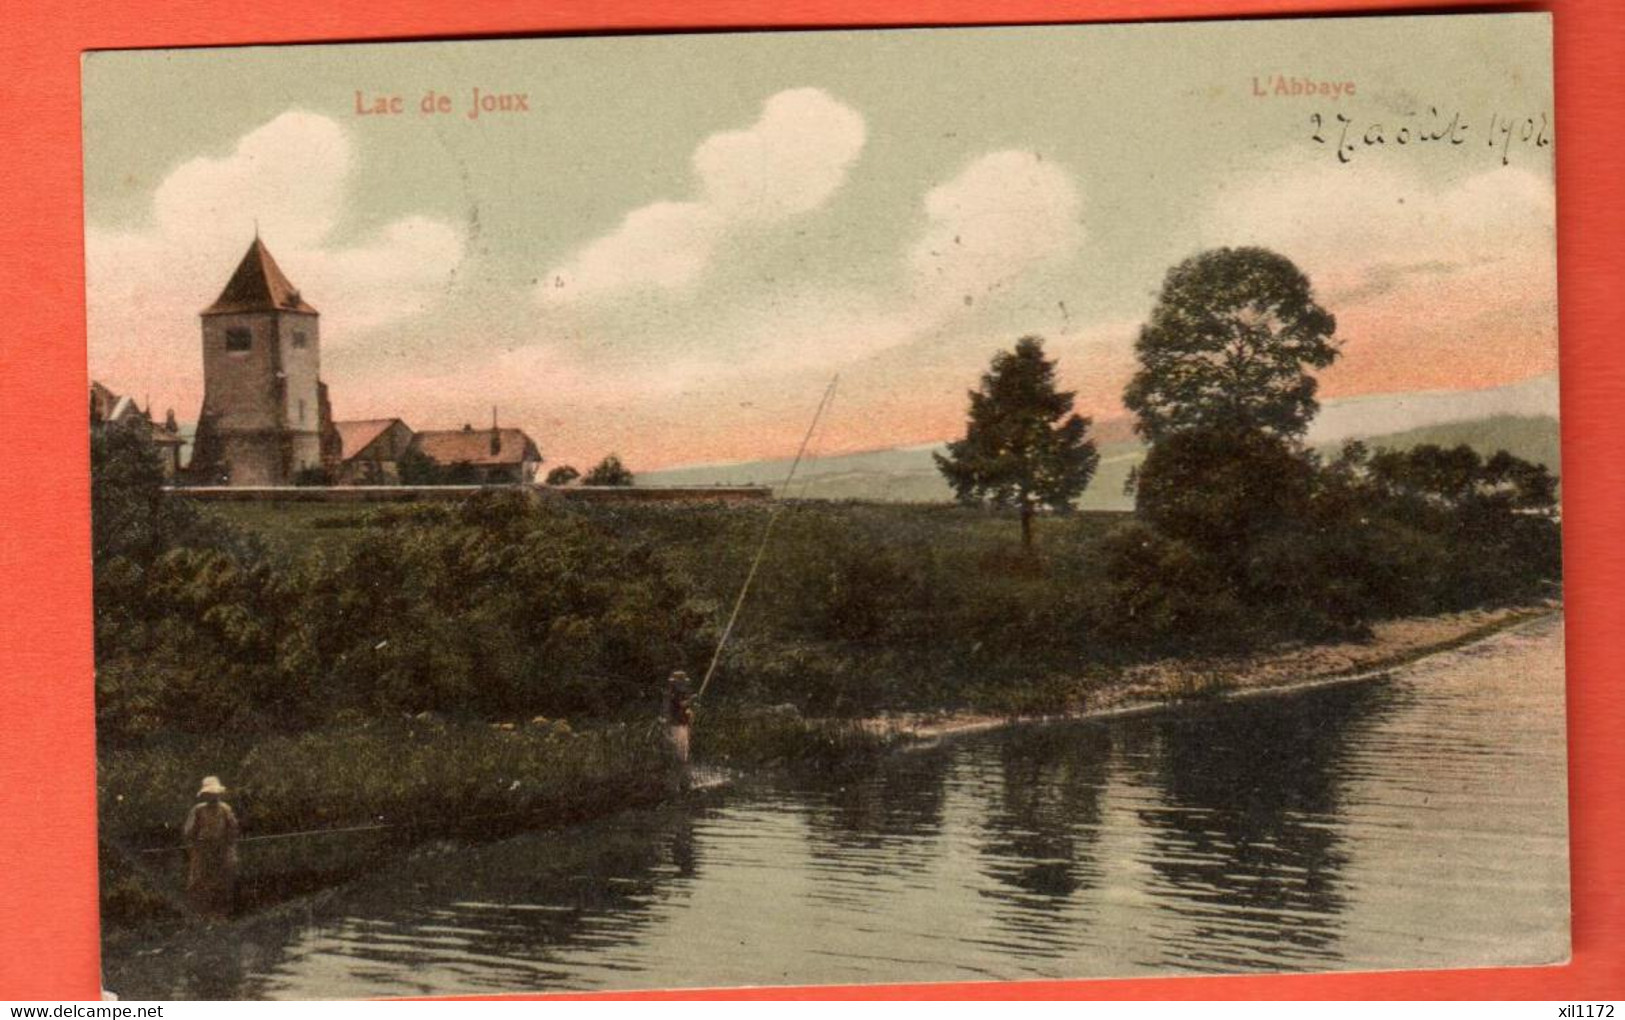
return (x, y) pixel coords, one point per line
(774, 742)
(1168, 684)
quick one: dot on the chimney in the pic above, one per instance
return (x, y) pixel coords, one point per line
(496, 434)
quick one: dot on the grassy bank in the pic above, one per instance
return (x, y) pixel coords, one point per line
(322, 807)
(361, 792)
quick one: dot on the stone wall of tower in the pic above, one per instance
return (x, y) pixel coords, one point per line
(263, 400)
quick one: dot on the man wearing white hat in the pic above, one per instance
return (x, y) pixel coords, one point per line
(211, 849)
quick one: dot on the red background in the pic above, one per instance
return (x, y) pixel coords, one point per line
(48, 933)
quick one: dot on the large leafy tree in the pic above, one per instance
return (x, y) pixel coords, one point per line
(1228, 348)
(1023, 447)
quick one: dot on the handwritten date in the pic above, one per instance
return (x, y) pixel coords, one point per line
(1506, 136)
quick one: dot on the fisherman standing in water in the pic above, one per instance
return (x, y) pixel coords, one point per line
(679, 713)
(211, 850)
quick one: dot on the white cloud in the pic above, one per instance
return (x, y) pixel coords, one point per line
(1361, 234)
(145, 286)
(1002, 214)
(789, 162)
(289, 172)
(997, 218)
(665, 245)
(403, 271)
(622, 332)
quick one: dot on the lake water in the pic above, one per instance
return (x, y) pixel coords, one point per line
(1410, 822)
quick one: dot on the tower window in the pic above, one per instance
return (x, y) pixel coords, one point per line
(299, 339)
(239, 339)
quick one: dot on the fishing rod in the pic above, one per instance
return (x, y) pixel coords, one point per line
(767, 533)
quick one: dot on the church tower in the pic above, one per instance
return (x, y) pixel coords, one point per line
(265, 411)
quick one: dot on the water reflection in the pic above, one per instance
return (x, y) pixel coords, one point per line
(862, 821)
(1046, 814)
(1037, 839)
(492, 918)
(1246, 849)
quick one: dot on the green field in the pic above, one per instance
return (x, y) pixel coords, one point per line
(946, 548)
(856, 606)
(295, 529)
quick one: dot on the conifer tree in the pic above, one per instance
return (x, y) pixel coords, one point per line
(1023, 447)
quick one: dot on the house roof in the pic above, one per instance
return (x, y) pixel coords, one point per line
(102, 399)
(356, 436)
(258, 286)
(475, 446)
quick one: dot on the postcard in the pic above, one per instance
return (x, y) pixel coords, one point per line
(799, 508)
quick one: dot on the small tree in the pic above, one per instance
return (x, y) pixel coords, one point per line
(1023, 447)
(131, 516)
(564, 474)
(418, 468)
(609, 471)
(1228, 346)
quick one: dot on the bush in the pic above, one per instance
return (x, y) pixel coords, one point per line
(492, 607)
(1160, 591)
(835, 582)
(1320, 550)
(1221, 491)
(609, 471)
(489, 607)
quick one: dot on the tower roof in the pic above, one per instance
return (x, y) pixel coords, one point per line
(258, 286)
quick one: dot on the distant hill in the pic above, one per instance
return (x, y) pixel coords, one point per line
(904, 475)
(1532, 438)
(1384, 414)
(909, 474)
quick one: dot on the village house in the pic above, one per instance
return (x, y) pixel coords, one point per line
(493, 456)
(266, 423)
(371, 451)
(379, 451)
(108, 409)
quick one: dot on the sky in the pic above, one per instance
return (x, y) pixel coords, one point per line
(679, 241)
